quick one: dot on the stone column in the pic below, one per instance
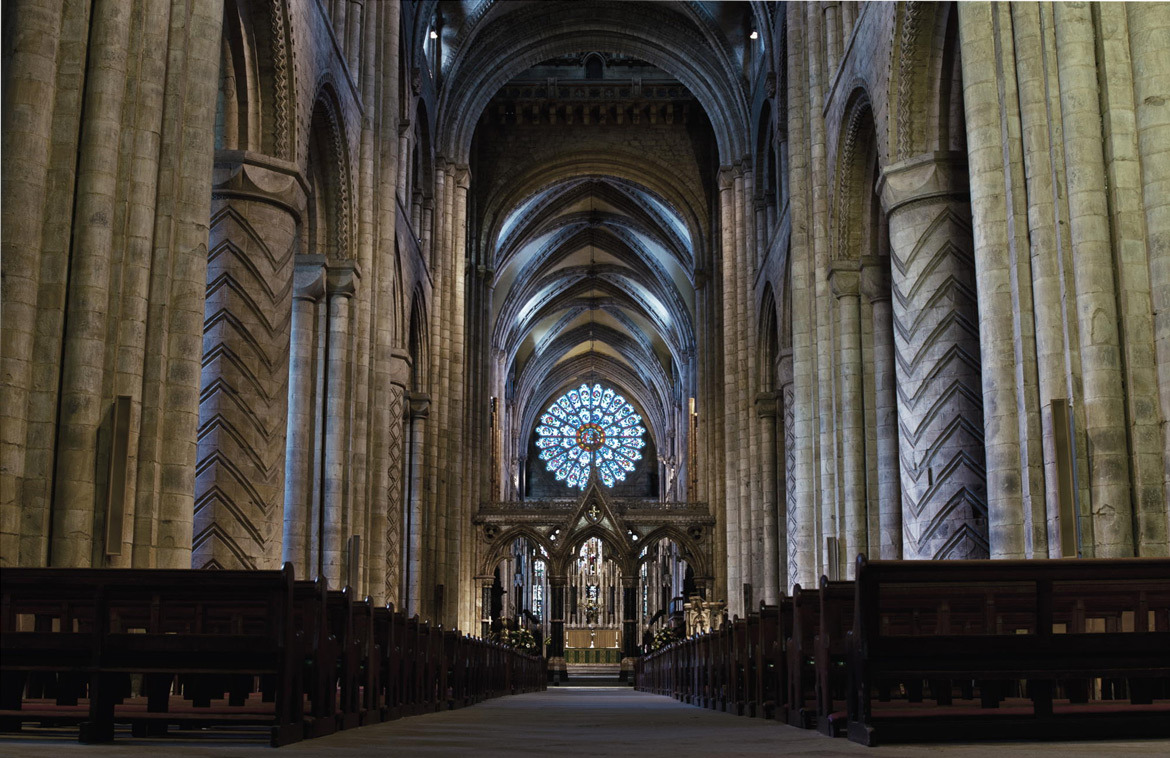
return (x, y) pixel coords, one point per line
(393, 521)
(790, 562)
(83, 403)
(1149, 36)
(1001, 267)
(1096, 293)
(800, 429)
(766, 412)
(875, 287)
(729, 509)
(629, 626)
(336, 437)
(485, 606)
(832, 36)
(308, 289)
(29, 97)
(459, 594)
(936, 338)
(557, 586)
(845, 280)
(239, 488)
(417, 410)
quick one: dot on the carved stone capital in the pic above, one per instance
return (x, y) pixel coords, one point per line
(726, 177)
(784, 369)
(418, 405)
(929, 176)
(875, 278)
(309, 277)
(342, 279)
(845, 278)
(766, 404)
(462, 176)
(253, 176)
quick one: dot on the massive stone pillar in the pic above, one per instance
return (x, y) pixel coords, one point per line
(239, 489)
(936, 339)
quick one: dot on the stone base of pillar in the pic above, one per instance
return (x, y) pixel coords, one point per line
(558, 670)
(627, 672)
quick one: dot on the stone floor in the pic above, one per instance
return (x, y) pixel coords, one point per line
(575, 721)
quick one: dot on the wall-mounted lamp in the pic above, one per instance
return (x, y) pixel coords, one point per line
(753, 35)
(435, 35)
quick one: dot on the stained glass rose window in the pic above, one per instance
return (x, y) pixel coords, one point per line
(586, 428)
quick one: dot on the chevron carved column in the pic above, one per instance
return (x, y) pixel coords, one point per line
(243, 404)
(936, 346)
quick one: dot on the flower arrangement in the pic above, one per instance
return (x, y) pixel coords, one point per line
(663, 637)
(521, 639)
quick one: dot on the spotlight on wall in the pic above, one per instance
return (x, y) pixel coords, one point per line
(435, 35)
(753, 35)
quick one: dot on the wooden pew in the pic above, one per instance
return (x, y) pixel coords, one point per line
(801, 658)
(834, 623)
(775, 629)
(321, 656)
(984, 635)
(217, 631)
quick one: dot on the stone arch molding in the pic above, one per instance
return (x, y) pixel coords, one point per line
(653, 32)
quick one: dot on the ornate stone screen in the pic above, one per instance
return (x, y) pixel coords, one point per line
(586, 428)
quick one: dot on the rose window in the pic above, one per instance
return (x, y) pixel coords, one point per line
(590, 428)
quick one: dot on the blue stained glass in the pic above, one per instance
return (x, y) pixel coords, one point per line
(590, 427)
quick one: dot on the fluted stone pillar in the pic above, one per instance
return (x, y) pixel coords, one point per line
(308, 290)
(845, 281)
(239, 489)
(936, 340)
(875, 287)
(341, 286)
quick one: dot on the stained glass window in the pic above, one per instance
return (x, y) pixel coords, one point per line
(587, 428)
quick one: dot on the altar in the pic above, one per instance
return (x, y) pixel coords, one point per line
(593, 646)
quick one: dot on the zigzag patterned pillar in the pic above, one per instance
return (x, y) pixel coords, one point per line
(239, 485)
(395, 443)
(936, 342)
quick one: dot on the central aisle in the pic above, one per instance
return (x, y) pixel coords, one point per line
(570, 721)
